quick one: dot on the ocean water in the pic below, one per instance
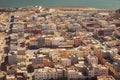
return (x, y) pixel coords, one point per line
(104, 4)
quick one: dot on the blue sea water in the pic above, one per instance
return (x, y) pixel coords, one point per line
(105, 4)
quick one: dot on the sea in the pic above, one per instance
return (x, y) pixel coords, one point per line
(103, 4)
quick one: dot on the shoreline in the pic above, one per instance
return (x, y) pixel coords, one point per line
(53, 7)
(75, 7)
(70, 7)
(56, 7)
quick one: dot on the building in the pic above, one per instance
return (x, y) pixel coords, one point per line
(41, 41)
(73, 74)
(33, 43)
(97, 70)
(66, 62)
(13, 47)
(63, 53)
(70, 42)
(53, 26)
(60, 73)
(117, 14)
(105, 78)
(48, 42)
(54, 54)
(10, 77)
(45, 73)
(37, 31)
(117, 32)
(21, 51)
(2, 76)
(12, 58)
(46, 62)
(103, 70)
(17, 28)
(73, 58)
(89, 23)
(81, 67)
(91, 71)
(116, 63)
(57, 40)
(103, 31)
(21, 58)
(116, 66)
(92, 59)
(37, 60)
(21, 74)
(77, 41)
(70, 52)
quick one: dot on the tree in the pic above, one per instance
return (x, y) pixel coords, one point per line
(3, 66)
(52, 79)
(30, 68)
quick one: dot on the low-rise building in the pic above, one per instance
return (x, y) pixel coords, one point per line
(92, 59)
(105, 78)
(38, 59)
(72, 73)
(12, 58)
(21, 51)
(103, 31)
(97, 70)
(10, 77)
(66, 62)
(45, 73)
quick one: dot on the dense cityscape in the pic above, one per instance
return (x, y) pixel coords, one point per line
(56, 43)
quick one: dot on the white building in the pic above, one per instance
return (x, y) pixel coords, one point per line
(17, 28)
(57, 40)
(73, 74)
(54, 54)
(21, 51)
(66, 62)
(92, 59)
(10, 77)
(60, 73)
(98, 70)
(13, 47)
(46, 73)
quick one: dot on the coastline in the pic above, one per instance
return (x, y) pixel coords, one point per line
(75, 7)
(55, 7)
(59, 7)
